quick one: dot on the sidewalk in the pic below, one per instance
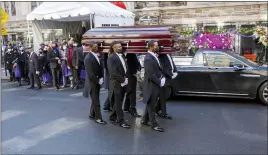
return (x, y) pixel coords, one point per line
(3, 74)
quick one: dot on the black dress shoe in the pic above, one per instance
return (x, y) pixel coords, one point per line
(100, 121)
(135, 114)
(19, 84)
(158, 128)
(38, 88)
(107, 109)
(31, 88)
(125, 125)
(165, 116)
(91, 117)
(113, 119)
(145, 123)
(57, 88)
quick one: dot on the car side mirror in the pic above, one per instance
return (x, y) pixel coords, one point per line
(238, 67)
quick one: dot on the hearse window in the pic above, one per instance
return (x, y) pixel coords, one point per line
(220, 60)
(198, 59)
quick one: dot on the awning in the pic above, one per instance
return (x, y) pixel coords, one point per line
(77, 11)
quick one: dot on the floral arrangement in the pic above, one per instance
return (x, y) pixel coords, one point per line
(214, 41)
(261, 33)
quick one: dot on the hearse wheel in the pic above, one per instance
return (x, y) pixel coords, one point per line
(263, 93)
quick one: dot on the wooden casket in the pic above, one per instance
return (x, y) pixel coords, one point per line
(133, 38)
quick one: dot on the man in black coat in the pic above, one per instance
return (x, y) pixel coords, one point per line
(9, 59)
(53, 57)
(34, 70)
(23, 57)
(153, 80)
(133, 68)
(118, 80)
(93, 81)
(81, 54)
(170, 73)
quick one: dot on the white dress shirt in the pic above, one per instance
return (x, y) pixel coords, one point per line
(170, 60)
(122, 61)
(96, 56)
(154, 55)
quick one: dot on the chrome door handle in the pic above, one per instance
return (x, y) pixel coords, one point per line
(213, 68)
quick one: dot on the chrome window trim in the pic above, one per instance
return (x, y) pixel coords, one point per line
(213, 93)
(248, 67)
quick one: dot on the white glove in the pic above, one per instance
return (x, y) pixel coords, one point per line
(101, 81)
(37, 72)
(174, 75)
(125, 82)
(163, 81)
(68, 67)
(76, 67)
(137, 74)
(57, 58)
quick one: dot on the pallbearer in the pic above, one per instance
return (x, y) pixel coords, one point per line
(170, 73)
(118, 80)
(94, 78)
(153, 80)
(133, 68)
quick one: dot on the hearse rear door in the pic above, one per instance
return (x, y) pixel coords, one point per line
(193, 79)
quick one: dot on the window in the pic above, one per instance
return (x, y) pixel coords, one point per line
(106, 25)
(114, 24)
(33, 5)
(109, 25)
(13, 37)
(198, 59)
(13, 8)
(6, 5)
(220, 60)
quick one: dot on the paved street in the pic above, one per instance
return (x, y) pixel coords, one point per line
(50, 122)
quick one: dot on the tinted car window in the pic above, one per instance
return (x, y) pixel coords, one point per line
(220, 60)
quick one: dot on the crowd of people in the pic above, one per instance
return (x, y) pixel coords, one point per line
(117, 71)
(59, 62)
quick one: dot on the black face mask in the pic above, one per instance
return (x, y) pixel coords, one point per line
(120, 51)
(95, 50)
(156, 50)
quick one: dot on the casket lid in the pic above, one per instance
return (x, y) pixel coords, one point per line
(128, 32)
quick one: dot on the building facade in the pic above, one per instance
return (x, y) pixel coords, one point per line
(17, 26)
(180, 16)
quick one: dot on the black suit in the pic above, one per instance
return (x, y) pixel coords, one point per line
(9, 58)
(107, 104)
(117, 76)
(133, 66)
(166, 90)
(54, 65)
(152, 82)
(94, 73)
(33, 67)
